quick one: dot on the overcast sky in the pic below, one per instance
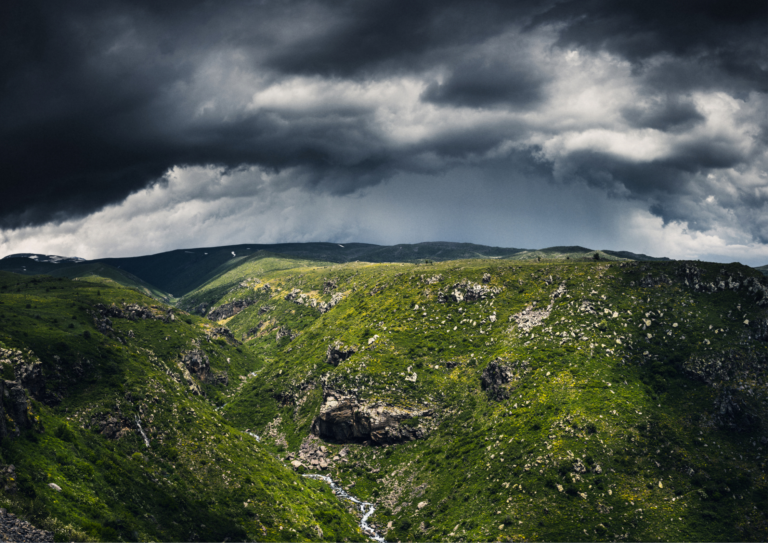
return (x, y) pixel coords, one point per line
(136, 127)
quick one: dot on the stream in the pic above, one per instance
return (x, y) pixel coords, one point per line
(138, 423)
(366, 508)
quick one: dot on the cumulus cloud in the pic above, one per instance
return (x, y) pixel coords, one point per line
(218, 112)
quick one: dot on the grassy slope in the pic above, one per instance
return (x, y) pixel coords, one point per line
(86, 270)
(26, 266)
(193, 480)
(617, 398)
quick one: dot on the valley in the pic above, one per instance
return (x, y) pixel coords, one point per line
(521, 395)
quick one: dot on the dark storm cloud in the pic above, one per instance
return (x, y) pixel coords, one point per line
(640, 29)
(99, 100)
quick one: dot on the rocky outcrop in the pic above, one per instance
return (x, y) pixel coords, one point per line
(758, 288)
(131, 312)
(650, 281)
(197, 363)
(722, 367)
(495, 375)
(329, 286)
(691, 276)
(337, 352)
(15, 408)
(229, 310)
(731, 411)
(113, 426)
(469, 291)
(221, 332)
(13, 528)
(27, 370)
(760, 328)
(345, 419)
(284, 332)
(530, 317)
(324, 307)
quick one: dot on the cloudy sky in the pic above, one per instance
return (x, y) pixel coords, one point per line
(133, 127)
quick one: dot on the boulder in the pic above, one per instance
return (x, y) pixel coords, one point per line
(345, 419)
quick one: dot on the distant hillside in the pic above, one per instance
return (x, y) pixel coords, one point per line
(121, 277)
(763, 269)
(179, 272)
(75, 267)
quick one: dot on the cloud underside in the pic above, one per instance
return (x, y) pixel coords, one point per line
(660, 107)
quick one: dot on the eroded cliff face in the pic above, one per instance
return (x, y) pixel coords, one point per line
(346, 419)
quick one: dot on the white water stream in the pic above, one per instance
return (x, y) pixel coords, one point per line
(138, 423)
(366, 508)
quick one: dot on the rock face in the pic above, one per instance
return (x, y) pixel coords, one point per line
(338, 352)
(495, 376)
(197, 363)
(345, 419)
(229, 310)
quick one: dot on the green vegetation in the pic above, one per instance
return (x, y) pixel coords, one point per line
(199, 478)
(568, 398)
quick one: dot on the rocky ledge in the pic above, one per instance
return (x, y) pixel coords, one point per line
(346, 419)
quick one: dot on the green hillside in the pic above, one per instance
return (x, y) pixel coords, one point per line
(624, 404)
(561, 399)
(763, 269)
(87, 270)
(82, 270)
(182, 271)
(101, 364)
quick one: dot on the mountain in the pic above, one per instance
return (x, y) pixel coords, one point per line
(474, 399)
(763, 269)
